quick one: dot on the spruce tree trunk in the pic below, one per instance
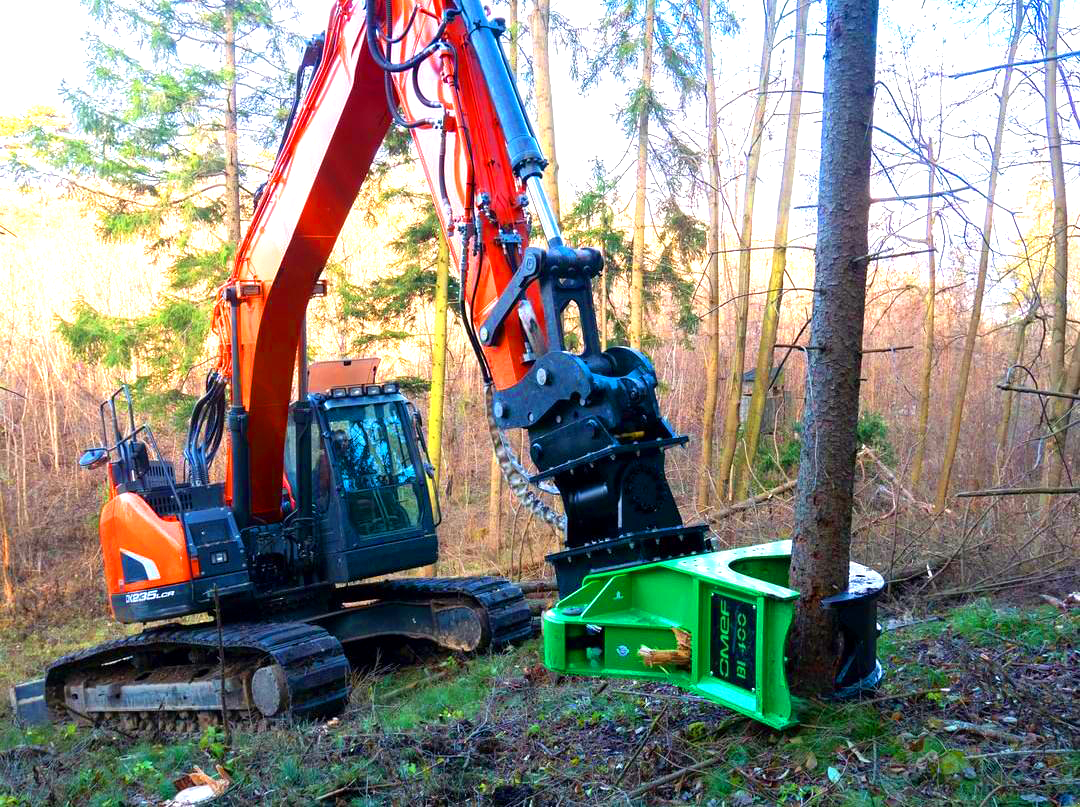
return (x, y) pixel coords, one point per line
(1061, 251)
(712, 244)
(770, 320)
(637, 265)
(957, 417)
(232, 151)
(928, 325)
(822, 534)
(742, 304)
(545, 112)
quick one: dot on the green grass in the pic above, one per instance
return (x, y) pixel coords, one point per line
(498, 729)
(25, 650)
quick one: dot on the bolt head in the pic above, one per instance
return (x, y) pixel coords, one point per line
(483, 334)
(542, 376)
(500, 409)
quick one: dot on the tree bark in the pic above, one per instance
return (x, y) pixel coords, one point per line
(437, 396)
(513, 37)
(438, 357)
(637, 265)
(712, 244)
(957, 416)
(742, 304)
(545, 112)
(495, 487)
(1015, 356)
(770, 320)
(232, 150)
(1059, 407)
(822, 533)
(928, 325)
(5, 558)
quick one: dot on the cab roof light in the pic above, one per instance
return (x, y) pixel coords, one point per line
(339, 392)
(356, 390)
(390, 388)
(372, 389)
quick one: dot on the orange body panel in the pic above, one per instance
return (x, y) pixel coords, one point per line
(324, 375)
(129, 523)
(338, 129)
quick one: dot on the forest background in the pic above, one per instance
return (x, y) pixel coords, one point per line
(93, 293)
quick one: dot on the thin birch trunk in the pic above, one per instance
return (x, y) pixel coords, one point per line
(545, 111)
(742, 304)
(1015, 357)
(957, 418)
(928, 325)
(770, 321)
(712, 244)
(437, 396)
(1059, 406)
(494, 525)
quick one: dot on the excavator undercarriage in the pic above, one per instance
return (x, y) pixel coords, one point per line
(172, 678)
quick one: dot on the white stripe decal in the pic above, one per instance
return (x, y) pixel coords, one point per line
(148, 565)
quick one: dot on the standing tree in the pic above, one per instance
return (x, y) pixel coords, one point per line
(822, 532)
(545, 110)
(155, 149)
(742, 303)
(639, 31)
(956, 419)
(928, 321)
(1058, 379)
(712, 246)
(770, 321)
(641, 103)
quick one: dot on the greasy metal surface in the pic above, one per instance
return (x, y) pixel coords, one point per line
(124, 688)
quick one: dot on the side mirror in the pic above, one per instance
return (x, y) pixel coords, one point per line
(93, 458)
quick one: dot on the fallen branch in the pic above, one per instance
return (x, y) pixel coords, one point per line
(989, 731)
(746, 504)
(640, 746)
(1024, 752)
(999, 586)
(432, 679)
(674, 776)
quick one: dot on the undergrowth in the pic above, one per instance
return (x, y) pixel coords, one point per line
(974, 710)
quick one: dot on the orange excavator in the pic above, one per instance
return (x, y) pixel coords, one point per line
(328, 490)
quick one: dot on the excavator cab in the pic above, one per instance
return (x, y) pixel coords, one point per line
(374, 500)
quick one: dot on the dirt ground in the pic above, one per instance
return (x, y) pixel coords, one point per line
(981, 706)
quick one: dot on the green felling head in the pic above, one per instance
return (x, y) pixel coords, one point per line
(714, 624)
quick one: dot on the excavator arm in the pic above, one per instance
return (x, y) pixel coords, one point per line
(437, 68)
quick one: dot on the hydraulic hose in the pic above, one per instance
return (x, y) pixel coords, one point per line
(205, 429)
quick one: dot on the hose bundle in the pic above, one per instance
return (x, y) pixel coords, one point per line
(205, 429)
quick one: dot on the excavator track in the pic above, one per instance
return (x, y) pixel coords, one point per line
(169, 678)
(506, 613)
